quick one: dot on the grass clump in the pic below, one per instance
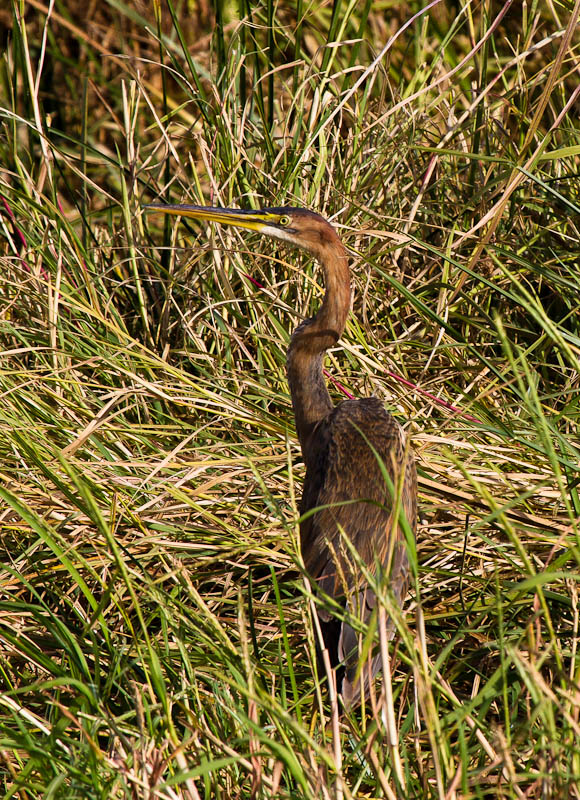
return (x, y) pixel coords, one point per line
(155, 636)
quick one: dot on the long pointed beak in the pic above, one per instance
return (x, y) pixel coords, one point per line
(252, 220)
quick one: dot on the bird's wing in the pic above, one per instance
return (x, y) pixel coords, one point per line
(345, 478)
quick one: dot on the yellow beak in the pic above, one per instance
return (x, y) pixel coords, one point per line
(252, 220)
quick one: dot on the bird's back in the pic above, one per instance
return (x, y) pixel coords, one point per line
(347, 456)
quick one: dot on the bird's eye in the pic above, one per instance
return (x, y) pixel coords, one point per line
(285, 220)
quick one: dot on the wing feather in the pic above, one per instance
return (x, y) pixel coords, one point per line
(345, 479)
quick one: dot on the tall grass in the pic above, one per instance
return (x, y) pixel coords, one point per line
(156, 637)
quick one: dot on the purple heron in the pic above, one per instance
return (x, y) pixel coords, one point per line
(359, 471)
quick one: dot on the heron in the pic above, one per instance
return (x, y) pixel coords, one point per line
(360, 478)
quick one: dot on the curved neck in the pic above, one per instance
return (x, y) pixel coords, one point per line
(313, 337)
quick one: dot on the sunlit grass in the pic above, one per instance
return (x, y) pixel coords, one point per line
(156, 637)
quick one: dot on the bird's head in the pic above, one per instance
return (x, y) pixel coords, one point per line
(296, 226)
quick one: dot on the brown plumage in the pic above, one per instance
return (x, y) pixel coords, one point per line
(343, 474)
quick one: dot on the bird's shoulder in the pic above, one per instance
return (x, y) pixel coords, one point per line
(355, 428)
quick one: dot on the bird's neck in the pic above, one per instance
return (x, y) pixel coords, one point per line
(312, 338)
